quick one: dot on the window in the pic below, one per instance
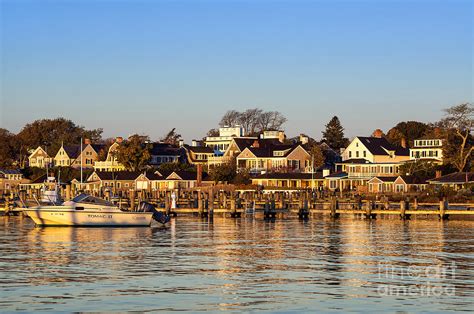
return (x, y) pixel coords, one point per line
(365, 153)
(350, 154)
(357, 154)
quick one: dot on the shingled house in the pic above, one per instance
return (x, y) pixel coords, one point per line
(39, 158)
(71, 155)
(455, 180)
(269, 156)
(368, 157)
(166, 153)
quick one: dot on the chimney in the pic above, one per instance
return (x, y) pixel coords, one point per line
(403, 142)
(303, 139)
(438, 174)
(194, 143)
(377, 133)
(199, 175)
(181, 142)
(87, 141)
(119, 139)
(255, 144)
(326, 172)
(281, 136)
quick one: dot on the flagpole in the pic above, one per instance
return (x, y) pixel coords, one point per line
(80, 154)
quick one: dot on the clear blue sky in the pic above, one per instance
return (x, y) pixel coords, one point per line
(148, 66)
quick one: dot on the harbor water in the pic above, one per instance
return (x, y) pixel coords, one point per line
(235, 265)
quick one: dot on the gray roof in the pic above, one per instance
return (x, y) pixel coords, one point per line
(10, 171)
(376, 146)
(454, 178)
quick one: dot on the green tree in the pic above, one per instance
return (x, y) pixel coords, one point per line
(410, 130)
(458, 144)
(7, 148)
(52, 132)
(317, 156)
(134, 153)
(172, 137)
(225, 172)
(334, 134)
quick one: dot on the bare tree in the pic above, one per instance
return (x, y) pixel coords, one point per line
(265, 120)
(249, 120)
(230, 118)
(459, 122)
(277, 120)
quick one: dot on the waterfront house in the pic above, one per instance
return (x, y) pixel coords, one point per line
(66, 155)
(264, 156)
(226, 134)
(110, 163)
(457, 180)
(39, 158)
(427, 149)
(10, 179)
(116, 181)
(73, 156)
(368, 157)
(165, 153)
(152, 181)
(288, 181)
(238, 144)
(198, 155)
(400, 184)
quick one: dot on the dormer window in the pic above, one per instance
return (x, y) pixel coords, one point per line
(278, 153)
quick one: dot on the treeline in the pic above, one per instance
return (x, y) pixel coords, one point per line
(48, 133)
(454, 128)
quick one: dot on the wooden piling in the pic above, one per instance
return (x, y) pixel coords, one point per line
(211, 203)
(443, 206)
(68, 192)
(132, 200)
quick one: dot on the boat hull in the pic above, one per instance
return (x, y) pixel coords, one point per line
(43, 217)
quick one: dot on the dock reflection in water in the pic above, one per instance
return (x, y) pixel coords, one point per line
(237, 265)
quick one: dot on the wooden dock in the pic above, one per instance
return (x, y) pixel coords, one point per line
(206, 202)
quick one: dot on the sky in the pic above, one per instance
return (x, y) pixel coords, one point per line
(148, 66)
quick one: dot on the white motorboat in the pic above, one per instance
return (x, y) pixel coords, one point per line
(87, 210)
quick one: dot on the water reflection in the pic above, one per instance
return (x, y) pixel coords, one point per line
(233, 264)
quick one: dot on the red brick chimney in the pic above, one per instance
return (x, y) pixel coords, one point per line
(438, 174)
(256, 144)
(119, 139)
(87, 141)
(199, 175)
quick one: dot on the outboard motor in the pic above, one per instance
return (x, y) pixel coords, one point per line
(157, 215)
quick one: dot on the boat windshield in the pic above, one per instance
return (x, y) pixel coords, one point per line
(88, 199)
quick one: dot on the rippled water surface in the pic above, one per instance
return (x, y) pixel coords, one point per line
(240, 265)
